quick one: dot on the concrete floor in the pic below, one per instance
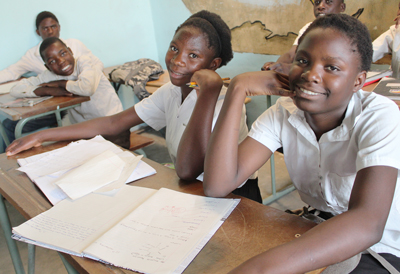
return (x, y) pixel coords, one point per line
(49, 262)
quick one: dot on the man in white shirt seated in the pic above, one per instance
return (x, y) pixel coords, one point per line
(46, 26)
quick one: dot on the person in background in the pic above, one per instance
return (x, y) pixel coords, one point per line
(47, 25)
(321, 8)
(389, 42)
(66, 76)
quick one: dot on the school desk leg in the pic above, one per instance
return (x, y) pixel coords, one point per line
(70, 269)
(12, 246)
(4, 135)
(31, 259)
(275, 195)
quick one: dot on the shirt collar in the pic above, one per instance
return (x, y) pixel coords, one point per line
(340, 133)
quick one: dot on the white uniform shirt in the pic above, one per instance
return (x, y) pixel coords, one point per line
(388, 42)
(324, 171)
(33, 62)
(165, 108)
(86, 80)
(303, 29)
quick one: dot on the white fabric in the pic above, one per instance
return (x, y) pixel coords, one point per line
(32, 61)
(324, 171)
(303, 29)
(388, 42)
(86, 80)
(165, 108)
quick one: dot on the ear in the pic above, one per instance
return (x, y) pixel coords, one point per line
(360, 80)
(342, 7)
(37, 32)
(215, 63)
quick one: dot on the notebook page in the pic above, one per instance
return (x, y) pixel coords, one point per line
(161, 233)
(73, 224)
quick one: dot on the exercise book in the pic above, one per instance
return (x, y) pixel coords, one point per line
(136, 228)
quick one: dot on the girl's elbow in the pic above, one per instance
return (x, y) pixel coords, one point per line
(185, 174)
(213, 191)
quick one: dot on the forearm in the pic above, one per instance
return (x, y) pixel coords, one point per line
(221, 161)
(193, 144)
(328, 243)
(84, 130)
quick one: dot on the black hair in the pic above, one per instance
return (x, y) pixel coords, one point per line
(218, 32)
(47, 42)
(43, 15)
(355, 31)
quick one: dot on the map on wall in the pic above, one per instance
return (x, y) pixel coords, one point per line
(271, 26)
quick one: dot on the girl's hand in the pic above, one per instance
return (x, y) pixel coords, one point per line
(22, 144)
(208, 81)
(263, 83)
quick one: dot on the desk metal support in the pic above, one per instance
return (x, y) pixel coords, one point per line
(12, 246)
(275, 195)
(22, 122)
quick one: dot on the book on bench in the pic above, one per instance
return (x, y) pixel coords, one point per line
(375, 75)
(388, 87)
(136, 228)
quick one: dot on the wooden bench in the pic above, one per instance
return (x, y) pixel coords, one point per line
(138, 141)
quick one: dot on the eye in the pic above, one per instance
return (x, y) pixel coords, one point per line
(173, 48)
(332, 68)
(317, 3)
(63, 53)
(52, 62)
(192, 55)
(302, 61)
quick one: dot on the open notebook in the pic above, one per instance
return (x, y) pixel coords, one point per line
(136, 228)
(82, 167)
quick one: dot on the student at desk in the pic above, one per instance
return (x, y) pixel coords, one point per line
(200, 45)
(389, 42)
(46, 26)
(321, 8)
(341, 149)
(67, 76)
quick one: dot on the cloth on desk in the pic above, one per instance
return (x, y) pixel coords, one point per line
(136, 74)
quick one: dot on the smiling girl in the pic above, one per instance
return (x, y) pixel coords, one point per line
(341, 150)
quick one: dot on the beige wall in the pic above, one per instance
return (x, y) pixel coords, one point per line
(270, 26)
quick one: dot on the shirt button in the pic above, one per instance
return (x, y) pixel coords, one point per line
(320, 177)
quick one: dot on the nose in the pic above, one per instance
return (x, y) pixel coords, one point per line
(178, 60)
(312, 74)
(321, 5)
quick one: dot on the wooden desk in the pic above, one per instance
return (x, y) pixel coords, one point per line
(53, 105)
(250, 229)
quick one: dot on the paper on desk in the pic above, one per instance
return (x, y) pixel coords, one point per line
(66, 158)
(99, 171)
(61, 160)
(131, 162)
(5, 88)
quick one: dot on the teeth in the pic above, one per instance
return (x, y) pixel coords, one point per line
(66, 68)
(309, 92)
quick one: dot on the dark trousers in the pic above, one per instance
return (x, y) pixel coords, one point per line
(370, 265)
(35, 124)
(250, 190)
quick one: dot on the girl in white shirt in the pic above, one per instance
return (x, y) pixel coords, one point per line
(341, 150)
